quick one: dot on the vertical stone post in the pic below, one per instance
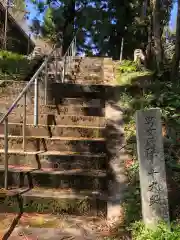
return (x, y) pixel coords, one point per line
(153, 184)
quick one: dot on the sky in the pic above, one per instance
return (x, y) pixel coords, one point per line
(172, 23)
(33, 12)
(173, 17)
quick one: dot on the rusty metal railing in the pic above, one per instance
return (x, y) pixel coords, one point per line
(67, 61)
(69, 58)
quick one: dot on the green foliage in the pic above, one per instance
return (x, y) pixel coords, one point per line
(161, 232)
(132, 205)
(19, 4)
(104, 23)
(128, 66)
(127, 72)
(9, 55)
(48, 28)
(14, 65)
(142, 94)
(18, 8)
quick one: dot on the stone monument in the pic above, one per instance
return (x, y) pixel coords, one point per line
(153, 184)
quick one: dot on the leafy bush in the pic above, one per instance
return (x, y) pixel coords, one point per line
(128, 71)
(162, 232)
(128, 66)
(14, 65)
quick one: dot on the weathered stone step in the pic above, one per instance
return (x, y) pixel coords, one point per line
(67, 110)
(76, 102)
(54, 160)
(54, 202)
(77, 90)
(81, 70)
(95, 145)
(57, 91)
(14, 84)
(49, 225)
(58, 109)
(81, 81)
(54, 119)
(51, 100)
(11, 89)
(86, 78)
(54, 131)
(83, 102)
(50, 233)
(87, 74)
(75, 179)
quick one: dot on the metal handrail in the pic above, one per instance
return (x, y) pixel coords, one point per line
(71, 52)
(24, 90)
(68, 57)
(32, 80)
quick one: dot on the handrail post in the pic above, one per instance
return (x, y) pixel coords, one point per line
(24, 124)
(56, 65)
(6, 153)
(45, 87)
(64, 70)
(36, 102)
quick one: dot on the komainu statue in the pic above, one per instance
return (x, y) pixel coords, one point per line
(139, 56)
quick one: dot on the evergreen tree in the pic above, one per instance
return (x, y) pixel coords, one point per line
(102, 24)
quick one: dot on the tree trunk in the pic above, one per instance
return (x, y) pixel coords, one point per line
(176, 57)
(149, 46)
(68, 30)
(158, 49)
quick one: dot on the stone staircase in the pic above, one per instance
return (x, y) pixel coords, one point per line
(64, 167)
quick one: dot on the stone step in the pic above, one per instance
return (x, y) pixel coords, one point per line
(76, 69)
(69, 79)
(54, 160)
(56, 92)
(13, 84)
(66, 110)
(77, 179)
(76, 102)
(54, 119)
(81, 81)
(95, 145)
(53, 201)
(59, 90)
(57, 100)
(71, 109)
(77, 90)
(91, 61)
(54, 131)
(87, 77)
(11, 89)
(49, 225)
(50, 233)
